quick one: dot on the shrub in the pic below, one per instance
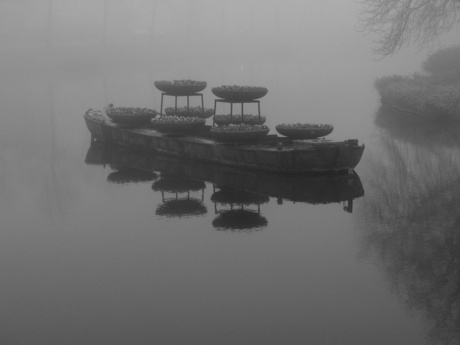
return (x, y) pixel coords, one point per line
(419, 95)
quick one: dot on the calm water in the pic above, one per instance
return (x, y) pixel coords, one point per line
(106, 246)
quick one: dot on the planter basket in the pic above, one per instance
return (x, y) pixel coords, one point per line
(180, 89)
(203, 114)
(304, 133)
(223, 120)
(239, 135)
(239, 95)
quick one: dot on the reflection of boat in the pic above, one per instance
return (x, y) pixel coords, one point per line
(313, 189)
(177, 184)
(272, 153)
(130, 175)
(181, 208)
(238, 196)
(239, 220)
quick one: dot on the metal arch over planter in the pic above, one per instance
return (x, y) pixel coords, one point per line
(175, 101)
(218, 100)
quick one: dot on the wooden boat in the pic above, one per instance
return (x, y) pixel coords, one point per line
(270, 153)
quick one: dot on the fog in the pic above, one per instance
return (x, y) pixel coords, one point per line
(57, 33)
(87, 259)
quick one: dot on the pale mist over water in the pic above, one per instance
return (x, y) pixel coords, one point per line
(106, 246)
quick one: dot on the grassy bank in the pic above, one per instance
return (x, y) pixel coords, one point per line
(434, 92)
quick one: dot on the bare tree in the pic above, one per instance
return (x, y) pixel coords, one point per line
(400, 22)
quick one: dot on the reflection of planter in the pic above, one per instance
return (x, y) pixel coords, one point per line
(304, 132)
(239, 220)
(190, 112)
(178, 89)
(181, 208)
(239, 135)
(130, 119)
(184, 126)
(177, 184)
(239, 94)
(241, 197)
(130, 175)
(222, 120)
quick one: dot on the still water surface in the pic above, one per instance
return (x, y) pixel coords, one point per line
(107, 246)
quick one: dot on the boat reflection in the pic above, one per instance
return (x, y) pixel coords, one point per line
(238, 215)
(182, 203)
(237, 194)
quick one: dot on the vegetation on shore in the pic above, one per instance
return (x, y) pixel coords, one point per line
(435, 92)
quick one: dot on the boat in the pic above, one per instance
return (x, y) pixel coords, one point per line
(248, 186)
(268, 153)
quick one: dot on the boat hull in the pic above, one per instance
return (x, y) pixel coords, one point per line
(274, 153)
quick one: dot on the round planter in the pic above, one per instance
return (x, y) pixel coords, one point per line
(304, 132)
(180, 89)
(223, 120)
(239, 95)
(178, 127)
(244, 135)
(192, 112)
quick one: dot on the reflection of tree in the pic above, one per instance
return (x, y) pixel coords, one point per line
(412, 224)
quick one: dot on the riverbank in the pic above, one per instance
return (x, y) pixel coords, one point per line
(434, 93)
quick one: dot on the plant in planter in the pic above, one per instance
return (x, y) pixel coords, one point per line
(129, 115)
(238, 93)
(183, 87)
(203, 113)
(238, 119)
(177, 123)
(304, 130)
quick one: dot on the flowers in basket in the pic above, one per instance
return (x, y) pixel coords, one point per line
(190, 111)
(181, 82)
(242, 127)
(129, 115)
(177, 123)
(237, 93)
(129, 110)
(305, 125)
(183, 87)
(238, 119)
(304, 130)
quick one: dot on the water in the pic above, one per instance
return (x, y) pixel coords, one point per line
(106, 246)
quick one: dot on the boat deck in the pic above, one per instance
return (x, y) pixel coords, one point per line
(272, 142)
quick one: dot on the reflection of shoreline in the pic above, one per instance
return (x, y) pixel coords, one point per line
(410, 222)
(419, 130)
(312, 189)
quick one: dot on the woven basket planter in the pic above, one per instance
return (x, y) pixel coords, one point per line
(180, 89)
(192, 112)
(223, 120)
(239, 95)
(303, 132)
